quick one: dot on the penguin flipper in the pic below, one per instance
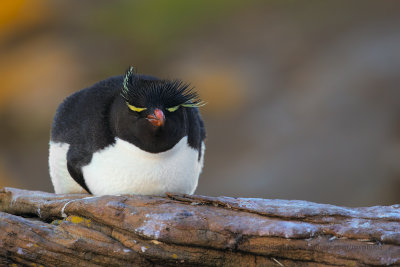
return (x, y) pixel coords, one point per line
(196, 129)
(75, 161)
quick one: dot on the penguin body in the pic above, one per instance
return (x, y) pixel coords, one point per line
(131, 134)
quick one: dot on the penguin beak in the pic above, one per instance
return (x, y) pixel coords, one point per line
(157, 118)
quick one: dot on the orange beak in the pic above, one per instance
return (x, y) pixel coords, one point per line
(157, 118)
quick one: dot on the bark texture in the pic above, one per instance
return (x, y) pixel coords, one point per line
(44, 229)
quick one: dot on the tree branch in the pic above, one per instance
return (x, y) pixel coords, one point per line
(63, 230)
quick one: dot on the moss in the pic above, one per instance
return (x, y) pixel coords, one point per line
(79, 220)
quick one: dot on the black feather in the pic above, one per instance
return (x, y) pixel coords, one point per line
(166, 93)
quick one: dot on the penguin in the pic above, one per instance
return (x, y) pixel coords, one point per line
(128, 134)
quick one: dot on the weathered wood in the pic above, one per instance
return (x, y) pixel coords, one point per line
(63, 230)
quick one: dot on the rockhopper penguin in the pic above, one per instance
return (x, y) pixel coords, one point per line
(131, 134)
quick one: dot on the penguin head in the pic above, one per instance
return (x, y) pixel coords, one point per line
(153, 114)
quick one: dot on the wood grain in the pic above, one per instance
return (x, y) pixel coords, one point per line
(180, 230)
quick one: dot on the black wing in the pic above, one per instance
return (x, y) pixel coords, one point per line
(82, 122)
(196, 129)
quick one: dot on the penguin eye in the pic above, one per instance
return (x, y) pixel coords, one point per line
(133, 108)
(172, 109)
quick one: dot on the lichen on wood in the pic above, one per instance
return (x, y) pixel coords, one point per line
(181, 230)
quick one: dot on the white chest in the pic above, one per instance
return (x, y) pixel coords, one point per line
(125, 169)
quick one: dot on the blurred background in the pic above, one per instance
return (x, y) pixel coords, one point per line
(303, 97)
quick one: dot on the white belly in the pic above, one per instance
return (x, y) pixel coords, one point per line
(62, 181)
(125, 169)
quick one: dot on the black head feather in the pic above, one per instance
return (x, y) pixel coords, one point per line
(167, 93)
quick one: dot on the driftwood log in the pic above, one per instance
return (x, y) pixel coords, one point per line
(43, 229)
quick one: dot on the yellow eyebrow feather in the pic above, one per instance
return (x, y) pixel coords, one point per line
(172, 109)
(193, 105)
(133, 108)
